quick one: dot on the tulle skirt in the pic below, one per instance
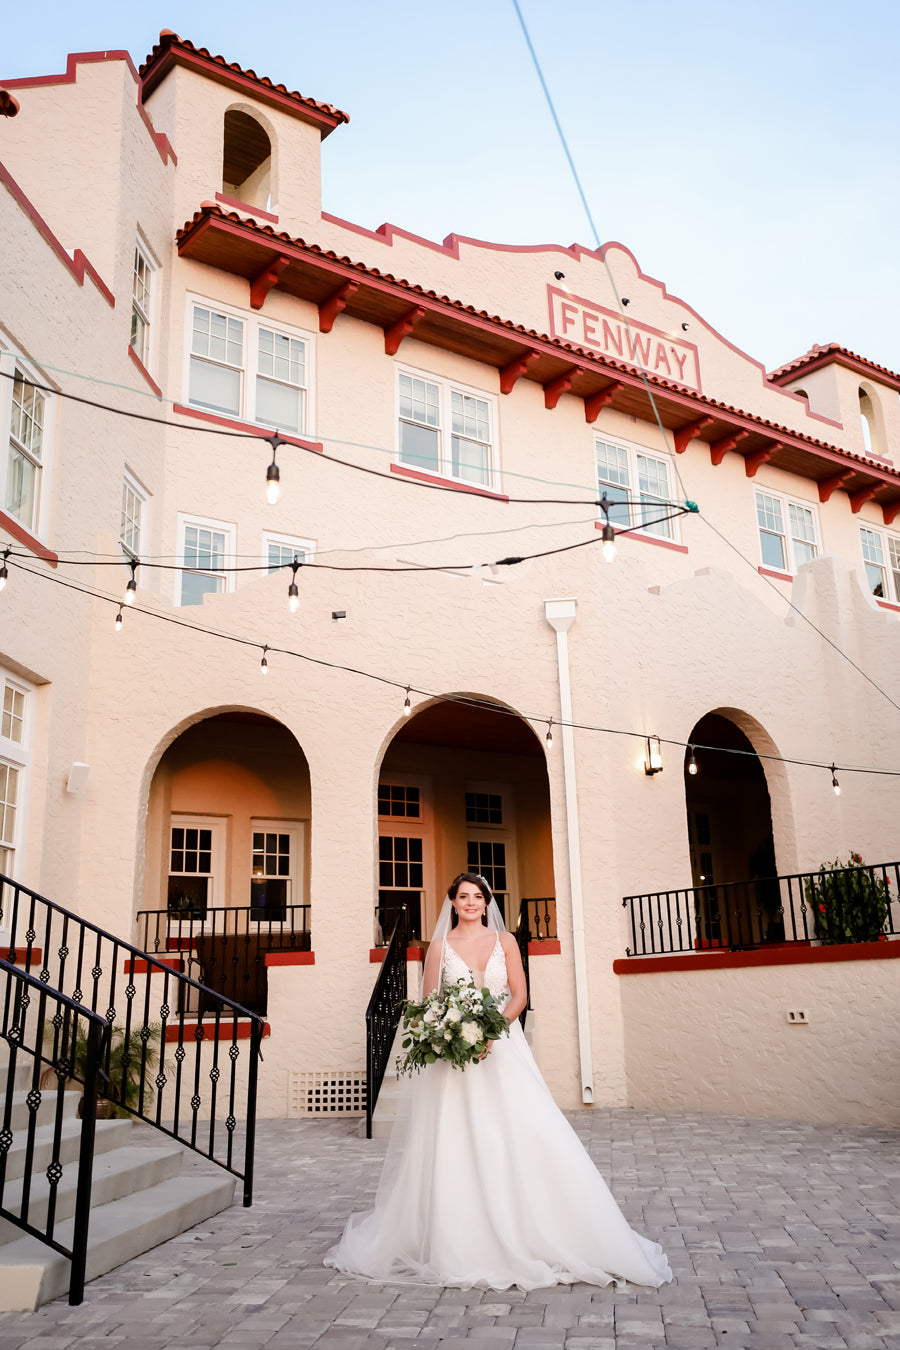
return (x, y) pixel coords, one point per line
(487, 1185)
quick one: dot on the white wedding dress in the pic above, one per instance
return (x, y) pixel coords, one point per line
(489, 1186)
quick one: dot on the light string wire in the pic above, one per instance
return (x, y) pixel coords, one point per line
(486, 705)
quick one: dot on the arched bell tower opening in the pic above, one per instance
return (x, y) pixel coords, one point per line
(246, 160)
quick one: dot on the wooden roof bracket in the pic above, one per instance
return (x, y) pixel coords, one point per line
(684, 435)
(862, 495)
(890, 511)
(266, 279)
(719, 449)
(514, 371)
(829, 485)
(396, 332)
(554, 391)
(754, 461)
(335, 304)
(595, 403)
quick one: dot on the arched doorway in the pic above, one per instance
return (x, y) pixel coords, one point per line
(730, 837)
(462, 788)
(227, 846)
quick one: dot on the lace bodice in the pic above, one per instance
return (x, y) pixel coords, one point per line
(453, 967)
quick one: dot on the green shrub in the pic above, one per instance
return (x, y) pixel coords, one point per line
(849, 903)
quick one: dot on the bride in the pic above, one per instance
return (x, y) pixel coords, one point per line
(488, 1185)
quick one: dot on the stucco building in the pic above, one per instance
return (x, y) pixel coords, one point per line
(219, 760)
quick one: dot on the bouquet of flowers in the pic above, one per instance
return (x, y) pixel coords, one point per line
(457, 1024)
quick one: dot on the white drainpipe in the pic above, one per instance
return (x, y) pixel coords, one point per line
(560, 614)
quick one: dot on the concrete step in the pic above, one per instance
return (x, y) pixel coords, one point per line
(108, 1134)
(116, 1174)
(32, 1274)
(20, 1113)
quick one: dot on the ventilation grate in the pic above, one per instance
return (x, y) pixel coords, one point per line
(326, 1094)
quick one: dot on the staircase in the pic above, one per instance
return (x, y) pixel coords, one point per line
(138, 1197)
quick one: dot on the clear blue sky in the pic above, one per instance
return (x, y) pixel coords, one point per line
(744, 150)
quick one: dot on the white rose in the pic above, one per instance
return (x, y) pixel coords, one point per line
(453, 1015)
(470, 1032)
(430, 1016)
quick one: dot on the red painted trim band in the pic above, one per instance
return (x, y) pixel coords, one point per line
(77, 264)
(544, 947)
(144, 371)
(783, 955)
(886, 604)
(377, 954)
(420, 477)
(22, 536)
(290, 958)
(228, 1031)
(18, 959)
(246, 208)
(142, 967)
(233, 425)
(770, 572)
(646, 539)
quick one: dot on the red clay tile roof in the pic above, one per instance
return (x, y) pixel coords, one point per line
(210, 212)
(8, 105)
(822, 356)
(172, 50)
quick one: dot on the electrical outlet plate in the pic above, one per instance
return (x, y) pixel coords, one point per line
(797, 1017)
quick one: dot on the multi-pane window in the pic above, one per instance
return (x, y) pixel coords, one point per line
(12, 726)
(244, 368)
(445, 430)
(625, 473)
(207, 548)
(191, 871)
(881, 558)
(787, 532)
(131, 529)
(141, 304)
(400, 863)
(270, 883)
(484, 808)
(15, 737)
(394, 799)
(9, 802)
(25, 460)
(487, 857)
(279, 551)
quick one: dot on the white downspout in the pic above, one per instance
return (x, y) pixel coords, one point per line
(560, 614)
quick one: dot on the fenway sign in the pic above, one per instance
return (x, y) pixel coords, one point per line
(602, 330)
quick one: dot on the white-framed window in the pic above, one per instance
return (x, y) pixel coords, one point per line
(133, 527)
(446, 429)
(15, 755)
(630, 472)
(276, 880)
(248, 368)
(25, 423)
(280, 550)
(881, 559)
(206, 549)
(196, 866)
(787, 531)
(142, 297)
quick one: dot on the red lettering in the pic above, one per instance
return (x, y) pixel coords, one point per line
(612, 339)
(590, 332)
(681, 360)
(566, 310)
(640, 349)
(662, 358)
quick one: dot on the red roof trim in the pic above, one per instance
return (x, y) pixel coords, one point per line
(77, 264)
(833, 354)
(252, 428)
(23, 536)
(145, 372)
(440, 480)
(213, 216)
(73, 61)
(171, 50)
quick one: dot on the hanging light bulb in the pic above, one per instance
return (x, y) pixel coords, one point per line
(273, 473)
(836, 787)
(4, 571)
(264, 664)
(693, 766)
(549, 737)
(119, 620)
(293, 592)
(131, 588)
(407, 706)
(609, 535)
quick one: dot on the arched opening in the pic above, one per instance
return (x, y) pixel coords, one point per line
(730, 837)
(226, 848)
(464, 788)
(246, 160)
(870, 422)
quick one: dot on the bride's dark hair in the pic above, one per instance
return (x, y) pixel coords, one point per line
(474, 879)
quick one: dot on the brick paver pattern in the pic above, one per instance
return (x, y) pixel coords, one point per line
(781, 1236)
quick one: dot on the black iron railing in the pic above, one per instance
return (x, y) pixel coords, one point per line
(523, 937)
(850, 904)
(41, 1142)
(541, 916)
(153, 1011)
(225, 948)
(383, 1014)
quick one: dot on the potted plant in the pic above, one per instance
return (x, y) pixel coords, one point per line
(129, 1060)
(849, 902)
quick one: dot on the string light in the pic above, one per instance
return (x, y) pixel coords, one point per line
(293, 591)
(119, 620)
(264, 663)
(609, 535)
(131, 588)
(692, 766)
(549, 737)
(834, 782)
(4, 570)
(407, 706)
(273, 473)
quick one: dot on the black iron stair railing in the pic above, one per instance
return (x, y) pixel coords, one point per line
(383, 1014)
(152, 1011)
(45, 1028)
(738, 915)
